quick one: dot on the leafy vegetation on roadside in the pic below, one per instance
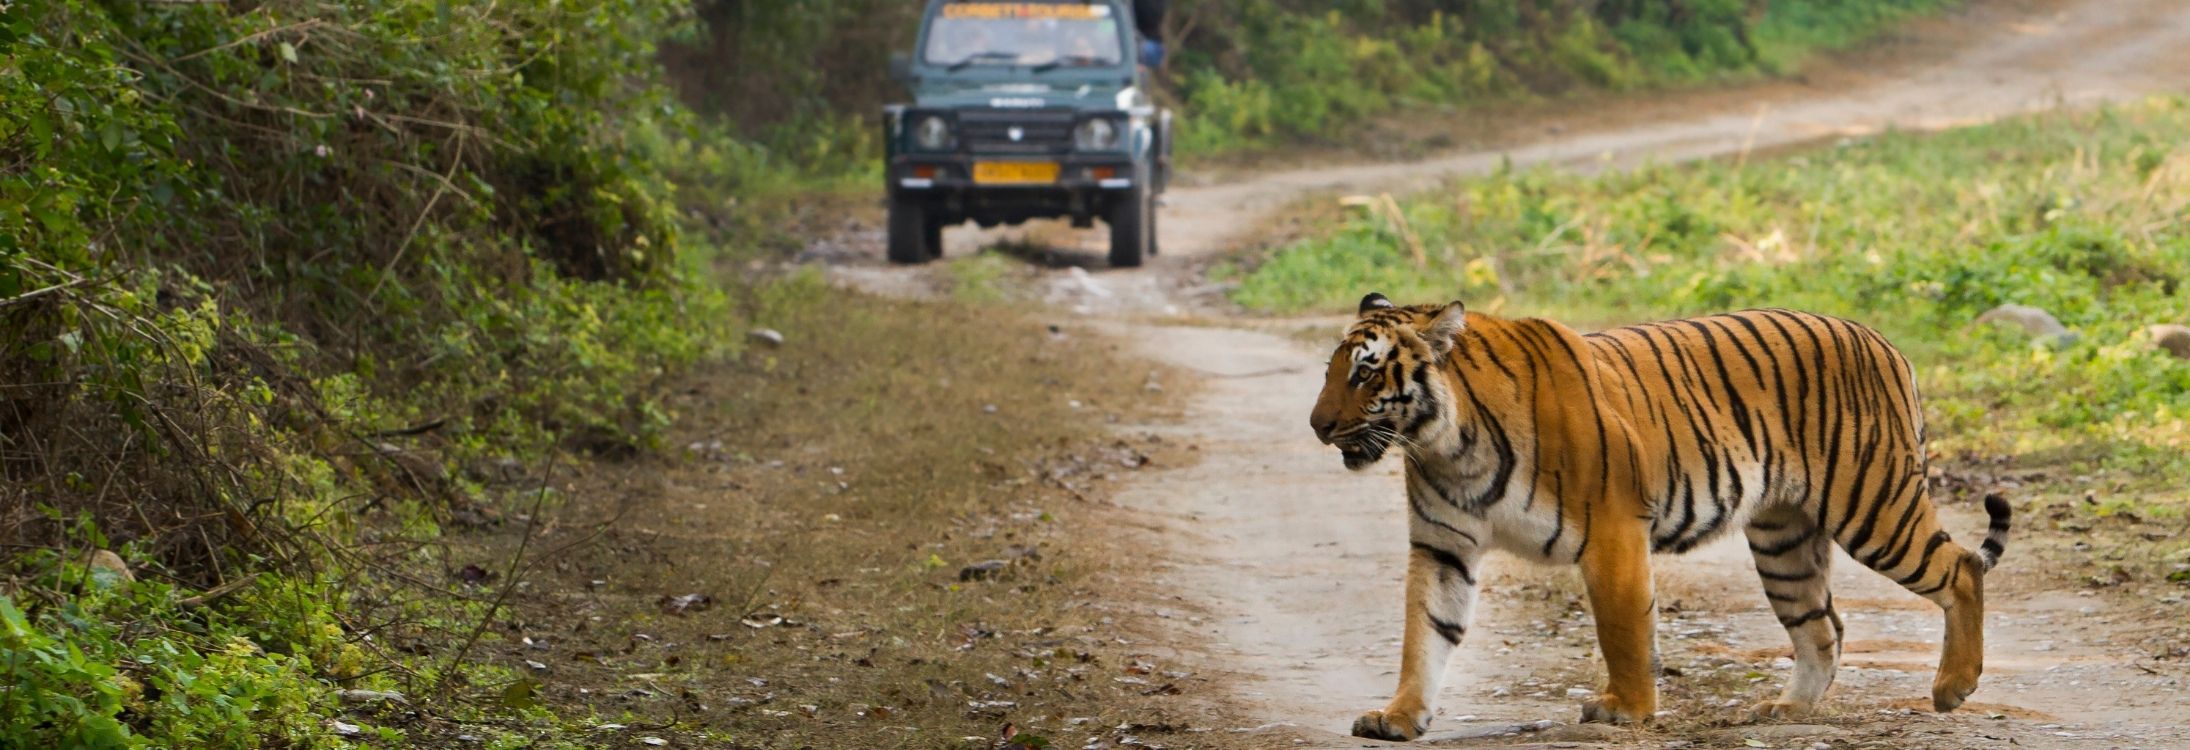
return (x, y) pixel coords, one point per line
(1268, 71)
(2079, 214)
(279, 282)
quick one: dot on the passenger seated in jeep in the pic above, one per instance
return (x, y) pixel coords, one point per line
(965, 41)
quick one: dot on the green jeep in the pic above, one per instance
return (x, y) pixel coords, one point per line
(1025, 110)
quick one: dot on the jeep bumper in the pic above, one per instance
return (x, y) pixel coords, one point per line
(1084, 187)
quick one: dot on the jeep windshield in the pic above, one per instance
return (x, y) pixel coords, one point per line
(1035, 35)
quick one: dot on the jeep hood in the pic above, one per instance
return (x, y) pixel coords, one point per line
(1073, 94)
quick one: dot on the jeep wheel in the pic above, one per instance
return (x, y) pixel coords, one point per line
(1132, 230)
(915, 235)
(1155, 238)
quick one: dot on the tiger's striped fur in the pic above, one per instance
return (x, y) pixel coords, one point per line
(1799, 430)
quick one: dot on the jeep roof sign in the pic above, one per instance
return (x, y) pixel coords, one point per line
(1066, 11)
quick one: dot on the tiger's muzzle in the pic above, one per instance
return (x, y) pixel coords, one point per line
(1359, 446)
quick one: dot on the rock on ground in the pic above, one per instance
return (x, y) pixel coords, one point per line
(2038, 324)
(104, 560)
(2171, 338)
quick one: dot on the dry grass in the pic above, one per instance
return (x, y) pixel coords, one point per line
(826, 499)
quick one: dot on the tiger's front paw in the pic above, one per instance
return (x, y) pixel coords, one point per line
(1610, 709)
(1391, 725)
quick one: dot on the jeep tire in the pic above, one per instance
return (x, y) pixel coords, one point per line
(916, 236)
(1154, 246)
(1132, 223)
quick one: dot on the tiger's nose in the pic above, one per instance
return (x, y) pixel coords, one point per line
(1323, 428)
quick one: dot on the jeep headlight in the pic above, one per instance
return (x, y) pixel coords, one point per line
(1096, 134)
(932, 133)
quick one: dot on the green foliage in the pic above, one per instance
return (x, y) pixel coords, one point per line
(1792, 31)
(242, 247)
(1583, 49)
(56, 695)
(2077, 214)
(117, 664)
(1266, 71)
(800, 82)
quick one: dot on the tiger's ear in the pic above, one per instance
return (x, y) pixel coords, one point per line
(1375, 301)
(1444, 328)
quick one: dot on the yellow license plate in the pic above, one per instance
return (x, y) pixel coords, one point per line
(1014, 172)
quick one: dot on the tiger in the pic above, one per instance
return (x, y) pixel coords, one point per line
(1599, 449)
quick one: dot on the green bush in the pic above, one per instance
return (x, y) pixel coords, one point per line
(269, 273)
(94, 661)
(1260, 72)
(1794, 30)
(803, 80)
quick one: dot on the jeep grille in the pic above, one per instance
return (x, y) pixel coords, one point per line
(1041, 131)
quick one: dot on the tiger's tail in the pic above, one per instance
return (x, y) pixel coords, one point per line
(1995, 544)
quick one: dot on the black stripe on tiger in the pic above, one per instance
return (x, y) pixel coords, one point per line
(1784, 547)
(1923, 562)
(1806, 617)
(1995, 537)
(1448, 561)
(1787, 577)
(1446, 629)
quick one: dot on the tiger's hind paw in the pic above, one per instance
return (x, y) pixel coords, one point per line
(1389, 725)
(1952, 687)
(1946, 696)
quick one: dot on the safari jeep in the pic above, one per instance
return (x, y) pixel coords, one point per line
(1025, 110)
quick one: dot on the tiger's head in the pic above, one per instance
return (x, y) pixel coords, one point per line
(1376, 390)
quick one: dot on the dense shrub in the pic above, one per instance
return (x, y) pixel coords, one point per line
(802, 79)
(272, 271)
(1316, 66)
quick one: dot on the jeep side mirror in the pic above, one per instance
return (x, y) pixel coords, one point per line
(901, 68)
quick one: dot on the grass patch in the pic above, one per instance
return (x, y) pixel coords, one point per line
(1790, 33)
(2080, 214)
(981, 278)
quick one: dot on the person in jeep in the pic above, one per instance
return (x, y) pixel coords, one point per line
(1026, 110)
(1148, 19)
(959, 42)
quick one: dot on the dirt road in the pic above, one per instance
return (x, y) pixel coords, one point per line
(1298, 562)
